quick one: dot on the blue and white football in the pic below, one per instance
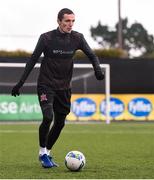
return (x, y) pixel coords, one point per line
(75, 160)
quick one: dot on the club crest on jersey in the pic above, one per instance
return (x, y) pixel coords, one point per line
(43, 97)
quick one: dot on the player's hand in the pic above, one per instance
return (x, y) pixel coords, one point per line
(15, 89)
(99, 74)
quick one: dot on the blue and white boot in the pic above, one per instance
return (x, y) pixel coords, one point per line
(45, 161)
(52, 161)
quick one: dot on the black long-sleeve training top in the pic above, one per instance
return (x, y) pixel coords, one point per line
(57, 65)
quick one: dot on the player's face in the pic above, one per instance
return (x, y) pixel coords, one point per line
(67, 23)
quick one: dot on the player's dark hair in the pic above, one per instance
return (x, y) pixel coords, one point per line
(64, 11)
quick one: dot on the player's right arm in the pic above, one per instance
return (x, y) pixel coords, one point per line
(29, 65)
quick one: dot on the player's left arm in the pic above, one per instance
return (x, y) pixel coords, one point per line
(92, 57)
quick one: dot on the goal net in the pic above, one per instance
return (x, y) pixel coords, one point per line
(88, 94)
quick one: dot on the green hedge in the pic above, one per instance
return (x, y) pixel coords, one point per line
(17, 53)
(104, 53)
(151, 56)
(101, 53)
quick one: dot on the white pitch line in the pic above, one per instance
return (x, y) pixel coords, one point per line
(16, 131)
(81, 132)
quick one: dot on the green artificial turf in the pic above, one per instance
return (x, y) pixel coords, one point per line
(116, 151)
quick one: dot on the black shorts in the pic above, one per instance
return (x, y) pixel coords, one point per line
(60, 99)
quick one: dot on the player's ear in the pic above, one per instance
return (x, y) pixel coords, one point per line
(58, 21)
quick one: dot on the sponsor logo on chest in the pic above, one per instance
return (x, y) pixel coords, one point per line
(59, 51)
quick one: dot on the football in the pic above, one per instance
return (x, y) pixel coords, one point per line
(75, 160)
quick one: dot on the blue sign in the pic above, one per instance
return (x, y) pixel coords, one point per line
(83, 107)
(116, 107)
(140, 107)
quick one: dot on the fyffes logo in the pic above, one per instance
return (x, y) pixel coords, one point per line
(83, 107)
(116, 107)
(140, 107)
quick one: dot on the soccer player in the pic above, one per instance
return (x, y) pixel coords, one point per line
(53, 85)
